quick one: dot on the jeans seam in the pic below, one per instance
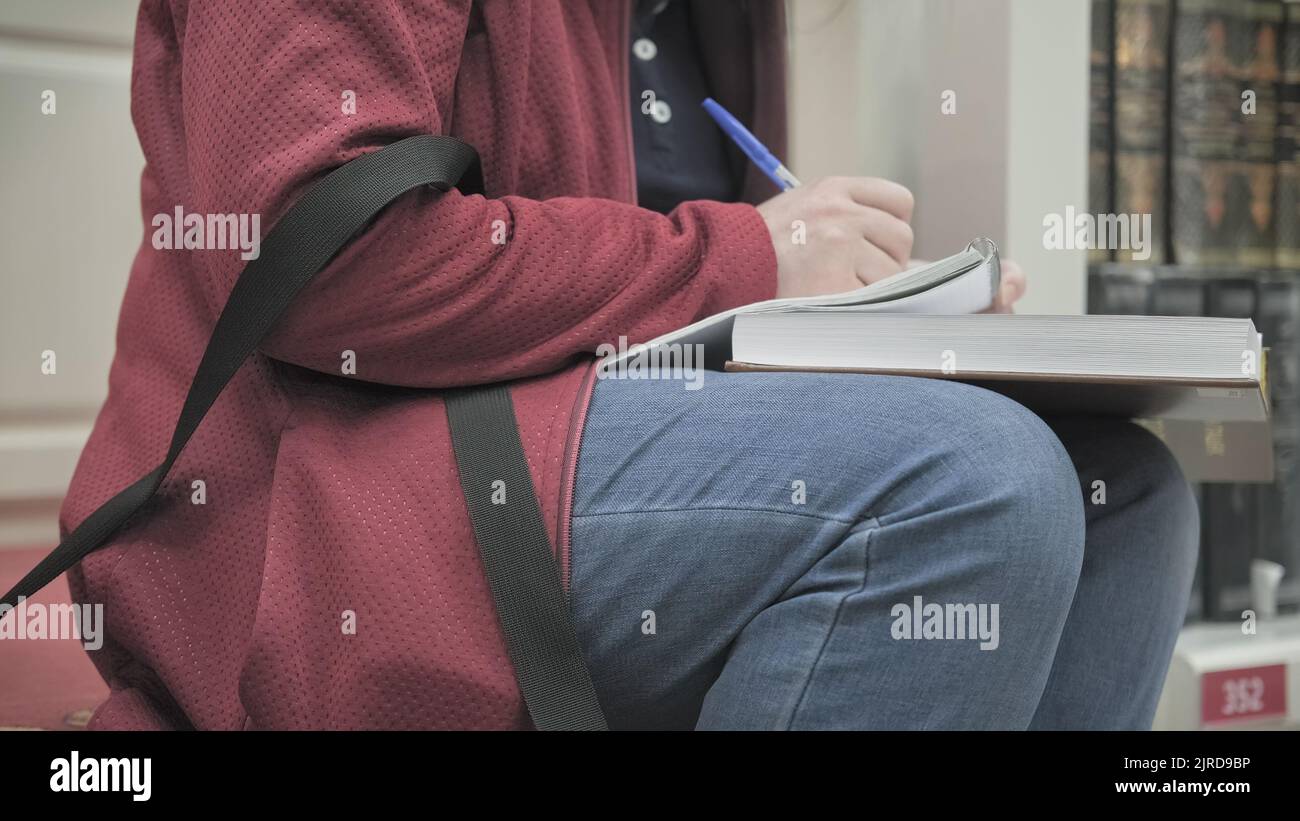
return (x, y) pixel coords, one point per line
(720, 509)
(871, 530)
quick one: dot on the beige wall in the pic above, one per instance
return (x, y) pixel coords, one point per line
(69, 225)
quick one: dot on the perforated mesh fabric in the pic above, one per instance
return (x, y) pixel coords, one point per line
(329, 494)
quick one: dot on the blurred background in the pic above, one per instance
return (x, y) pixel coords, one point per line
(995, 113)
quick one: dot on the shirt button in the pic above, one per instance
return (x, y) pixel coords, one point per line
(645, 48)
(660, 112)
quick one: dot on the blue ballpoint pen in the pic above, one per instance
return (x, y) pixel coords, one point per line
(755, 150)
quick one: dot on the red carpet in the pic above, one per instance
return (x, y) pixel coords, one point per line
(44, 684)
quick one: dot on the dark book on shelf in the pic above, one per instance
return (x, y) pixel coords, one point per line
(1287, 211)
(1255, 57)
(1115, 290)
(1140, 107)
(1207, 193)
(1228, 543)
(1100, 101)
(1178, 296)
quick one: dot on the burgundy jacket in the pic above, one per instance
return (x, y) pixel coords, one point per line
(329, 578)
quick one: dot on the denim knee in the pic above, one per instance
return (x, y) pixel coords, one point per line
(1144, 477)
(1028, 487)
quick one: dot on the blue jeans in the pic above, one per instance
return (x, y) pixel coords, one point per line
(800, 551)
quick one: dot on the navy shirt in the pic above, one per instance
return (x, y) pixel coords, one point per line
(680, 152)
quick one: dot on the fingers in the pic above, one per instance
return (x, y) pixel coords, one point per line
(1011, 289)
(874, 192)
(872, 264)
(887, 232)
(1013, 285)
(885, 209)
(856, 229)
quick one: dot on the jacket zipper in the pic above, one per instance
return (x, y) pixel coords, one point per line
(578, 420)
(569, 478)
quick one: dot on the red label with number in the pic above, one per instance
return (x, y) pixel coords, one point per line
(1247, 693)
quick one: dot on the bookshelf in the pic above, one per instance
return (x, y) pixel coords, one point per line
(1195, 118)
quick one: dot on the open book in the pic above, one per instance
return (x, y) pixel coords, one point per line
(961, 284)
(1188, 372)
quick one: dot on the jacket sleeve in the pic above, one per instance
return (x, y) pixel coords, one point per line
(425, 297)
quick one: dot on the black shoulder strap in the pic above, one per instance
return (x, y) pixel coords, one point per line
(302, 242)
(518, 561)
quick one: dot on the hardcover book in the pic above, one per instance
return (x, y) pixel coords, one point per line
(1208, 191)
(1287, 230)
(1141, 103)
(927, 322)
(1100, 102)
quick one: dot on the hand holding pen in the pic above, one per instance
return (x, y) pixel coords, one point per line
(834, 235)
